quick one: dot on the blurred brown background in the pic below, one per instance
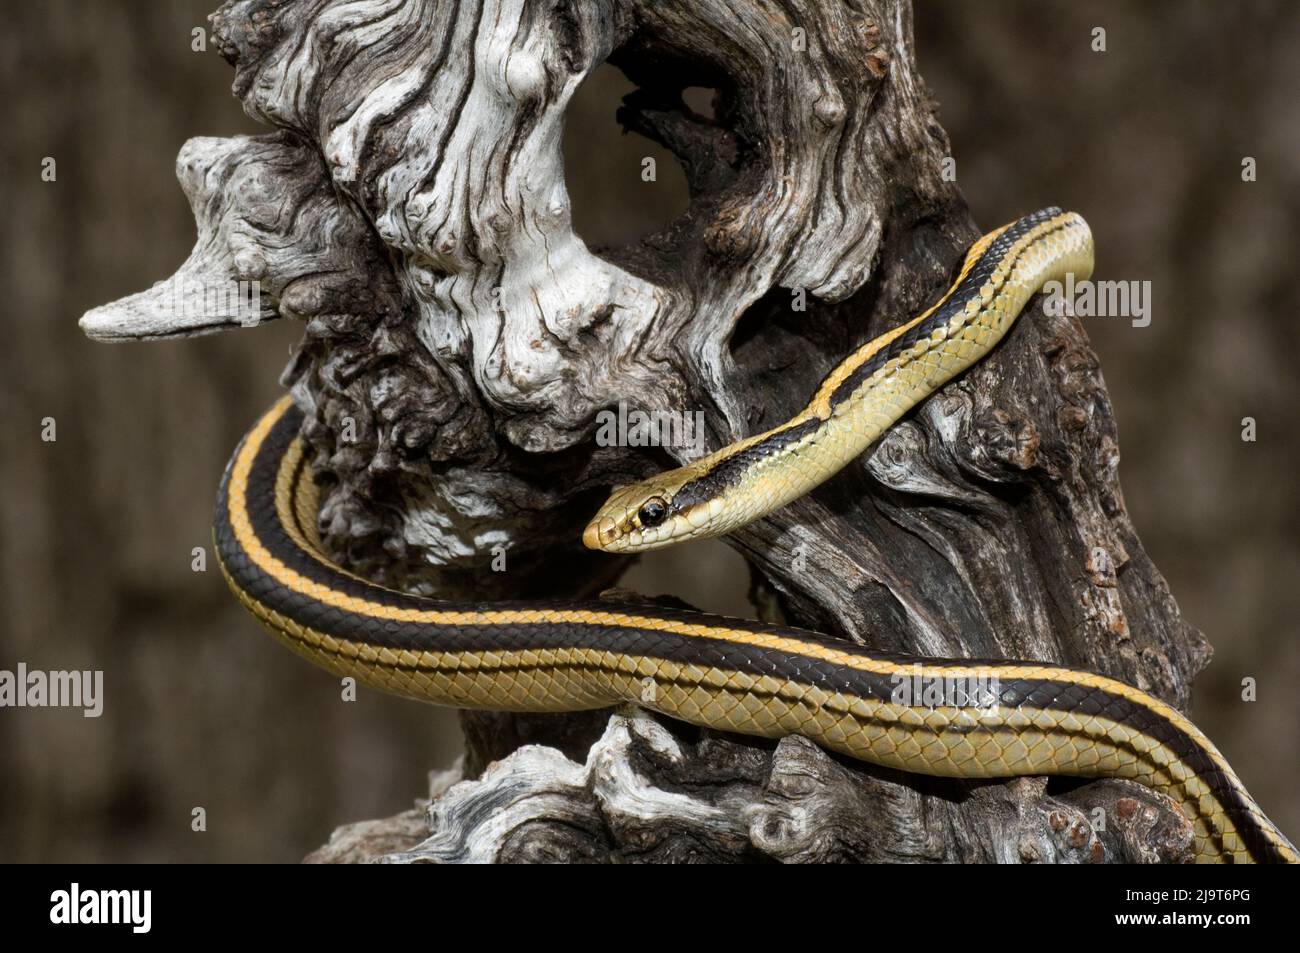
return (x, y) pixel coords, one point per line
(1145, 139)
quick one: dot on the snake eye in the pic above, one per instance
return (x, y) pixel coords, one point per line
(653, 511)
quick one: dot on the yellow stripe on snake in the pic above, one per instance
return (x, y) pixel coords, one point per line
(999, 718)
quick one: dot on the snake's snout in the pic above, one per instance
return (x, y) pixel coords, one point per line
(600, 532)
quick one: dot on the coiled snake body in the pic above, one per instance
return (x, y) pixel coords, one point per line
(1017, 718)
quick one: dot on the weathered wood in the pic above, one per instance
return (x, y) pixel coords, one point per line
(646, 794)
(460, 339)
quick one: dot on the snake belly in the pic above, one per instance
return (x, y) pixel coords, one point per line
(948, 717)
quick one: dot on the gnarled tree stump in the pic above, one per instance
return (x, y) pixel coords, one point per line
(459, 340)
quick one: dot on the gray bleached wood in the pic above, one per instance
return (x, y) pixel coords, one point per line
(645, 795)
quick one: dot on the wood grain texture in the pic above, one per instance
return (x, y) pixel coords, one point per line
(644, 794)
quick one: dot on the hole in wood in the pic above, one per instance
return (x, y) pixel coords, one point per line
(622, 186)
(699, 100)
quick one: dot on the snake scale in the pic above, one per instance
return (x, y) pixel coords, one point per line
(987, 718)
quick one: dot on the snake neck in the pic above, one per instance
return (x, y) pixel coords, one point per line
(874, 387)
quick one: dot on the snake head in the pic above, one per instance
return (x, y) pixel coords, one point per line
(651, 514)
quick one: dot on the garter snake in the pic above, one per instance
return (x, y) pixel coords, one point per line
(984, 718)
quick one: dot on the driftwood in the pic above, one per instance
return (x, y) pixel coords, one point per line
(410, 209)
